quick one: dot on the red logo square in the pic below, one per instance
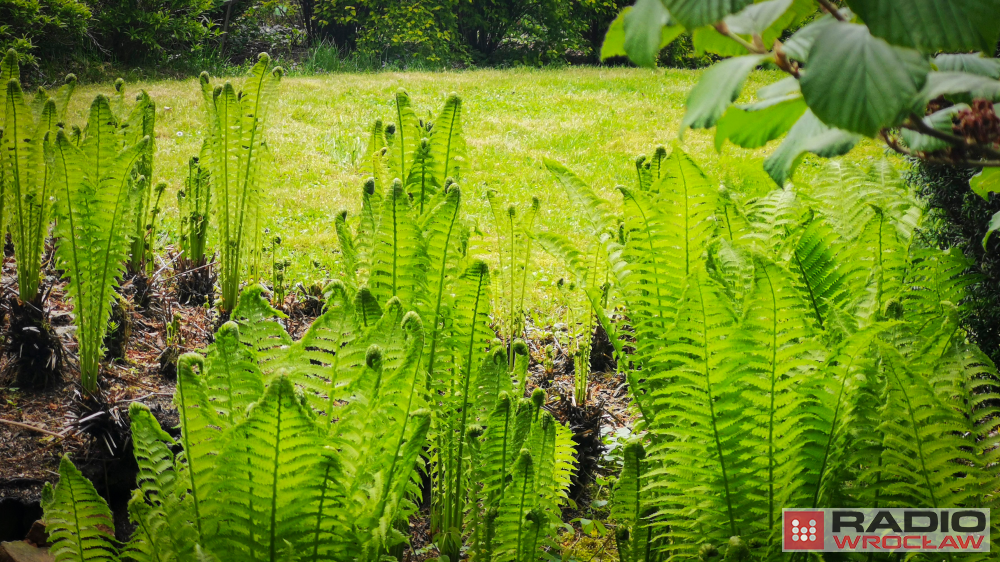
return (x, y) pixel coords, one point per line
(802, 530)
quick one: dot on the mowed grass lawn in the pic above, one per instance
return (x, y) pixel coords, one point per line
(595, 120)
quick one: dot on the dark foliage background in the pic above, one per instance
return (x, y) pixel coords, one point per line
(960, 220)
(102, 37)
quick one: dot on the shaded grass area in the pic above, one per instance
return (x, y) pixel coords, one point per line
(596, 120)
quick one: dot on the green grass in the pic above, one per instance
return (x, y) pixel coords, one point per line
(595, 120)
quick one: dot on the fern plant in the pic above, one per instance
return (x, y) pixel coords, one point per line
(94, 203)
(786, 342)
(133, 125)
(27, 127)
(26, 196)
(513, 248)
(411, 243)
(265, 472)
(237, 159)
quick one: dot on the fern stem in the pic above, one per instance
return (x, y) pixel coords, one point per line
(86, 373)
(711, 409)
(831, 434)
(319, 512)
(440, 295)
(520, 510)
(274, 482)
(465, 404)
(770, 422)
(809, 288)
(76, 520)
(917, 436)
(510, 333)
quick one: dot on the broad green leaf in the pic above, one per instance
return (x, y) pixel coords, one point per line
(860, 83)
(808, 135)
(614, 39)
(994, 225)
(940, 120)
(648, 28)
(718, 88)
(696, 13)
(753, 126)
(708, 40)
(957, 87)
(756, 18)
(933, 25)
(766, 20)
(974, 63)
(800, 43)
(985, 182)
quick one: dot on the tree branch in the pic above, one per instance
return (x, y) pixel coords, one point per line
(895, 146)
(831, 9)
(915, 123)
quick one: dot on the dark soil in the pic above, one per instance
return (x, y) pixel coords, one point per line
(38, 427)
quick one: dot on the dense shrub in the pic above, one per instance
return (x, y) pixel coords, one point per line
(959, 220)
(407, 30)
(459, 30)
(41, 27)
(134, 30)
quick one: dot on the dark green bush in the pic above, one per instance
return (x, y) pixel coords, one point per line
(150, 30)
(41, 27)
(404, 31)
(959, 220)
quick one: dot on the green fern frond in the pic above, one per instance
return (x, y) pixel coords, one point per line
(145, 544)
(78, 521)
(156, 477)
(326, 360)
(376, 145)
(236, 127)
(201, 438)
(441, 232)
(94, 198)
(691, 408)
(421, 184)
(495, 452)
(162, 510)
(828, 282)
(407, 138)
(627, 507)
(775, 373)
(260, 330)
(268, 478)
(397, 266)
(26, 190)
(371, 205)
(924, 462)
(447, 144)
(368, 310)
(348, 253)
(513, 532)
(233, 380)
(491, 379)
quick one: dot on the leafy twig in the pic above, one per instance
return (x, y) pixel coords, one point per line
(831, 9)
(915, 123)
(894, 145)
(722, 28)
